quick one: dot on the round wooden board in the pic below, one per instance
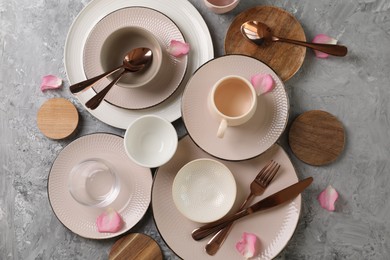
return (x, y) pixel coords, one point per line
(317, 137)
(57, 118)
(135, 246)
(285, 59)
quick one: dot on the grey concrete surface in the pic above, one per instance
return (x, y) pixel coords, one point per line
(355, 89)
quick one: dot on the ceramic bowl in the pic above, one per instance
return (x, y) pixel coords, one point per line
(204, 190)
(150, 141)
(221, 6)
(123, 40)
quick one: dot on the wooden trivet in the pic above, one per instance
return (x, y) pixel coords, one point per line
(317, 137)
(135, 246)
(57, 118)
(284, 58)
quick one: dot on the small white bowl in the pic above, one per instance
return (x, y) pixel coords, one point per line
(204, 190)
(150, 141)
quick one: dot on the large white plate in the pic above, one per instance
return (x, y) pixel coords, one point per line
(273, 227)
(186, 17)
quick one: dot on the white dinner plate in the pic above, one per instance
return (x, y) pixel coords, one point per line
(274, 227)
(182, 13)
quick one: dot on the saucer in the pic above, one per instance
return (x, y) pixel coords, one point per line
(172, 70)
(135, 185)
(273, 237)
(185, 16)
(240, 142)
(286, 59)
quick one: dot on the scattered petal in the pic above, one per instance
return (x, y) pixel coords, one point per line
(323, 38)
(50, 82)
(327, 198)
(109, 221)
(247, 246)
(263, 83)
(178, 49)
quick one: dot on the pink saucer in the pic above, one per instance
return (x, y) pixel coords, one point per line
(135, 185)
(240, 142)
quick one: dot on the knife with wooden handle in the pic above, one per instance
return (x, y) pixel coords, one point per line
(273, 200)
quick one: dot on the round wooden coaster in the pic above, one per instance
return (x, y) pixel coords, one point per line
(284, 58)
(135, 246)
(317, 137)
(57, 118)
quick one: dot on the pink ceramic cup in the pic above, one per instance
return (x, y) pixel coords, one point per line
(221, 6)
(233, 100)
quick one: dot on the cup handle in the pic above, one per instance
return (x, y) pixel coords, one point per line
(222, 128)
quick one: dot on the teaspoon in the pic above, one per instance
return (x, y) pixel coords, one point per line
(259, 33)
(136, 60)
(84, 85)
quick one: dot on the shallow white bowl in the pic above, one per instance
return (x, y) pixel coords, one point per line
(204, 190)
(150, 141)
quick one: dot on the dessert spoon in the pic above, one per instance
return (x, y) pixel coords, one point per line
(259, 33)
(135, 61)
(132, 61)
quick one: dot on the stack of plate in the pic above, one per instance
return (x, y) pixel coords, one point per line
(181, 14)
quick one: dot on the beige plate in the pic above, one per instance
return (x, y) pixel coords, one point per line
(284, 58)
(164, 29)
(273, 227)
(240, 142)
(133, 199)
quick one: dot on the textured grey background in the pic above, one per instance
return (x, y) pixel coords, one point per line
(354, 88)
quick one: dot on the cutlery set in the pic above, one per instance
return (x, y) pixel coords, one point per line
(257, 187)
(271, 201)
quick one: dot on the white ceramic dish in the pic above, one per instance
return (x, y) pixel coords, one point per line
(132, 201)
(273, 227)
(185, 16)
(150, 141)
(204, 190)
(239, 142)
(123, 30)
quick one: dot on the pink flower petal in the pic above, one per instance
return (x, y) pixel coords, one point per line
(178, 49)
(109, 221)
(327, 198)
(247, 246)
(263, 83)
(323, 38)
(50, 82)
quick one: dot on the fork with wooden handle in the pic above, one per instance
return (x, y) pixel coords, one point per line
(257, 187)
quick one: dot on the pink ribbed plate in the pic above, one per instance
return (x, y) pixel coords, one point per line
(134, 196)
(240, 142)
(274, 227)
(164, 30)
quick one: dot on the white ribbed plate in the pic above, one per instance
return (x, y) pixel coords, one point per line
(274, 227)
(182, 13)
(134, 196)
(173, 69)
(240, 142)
